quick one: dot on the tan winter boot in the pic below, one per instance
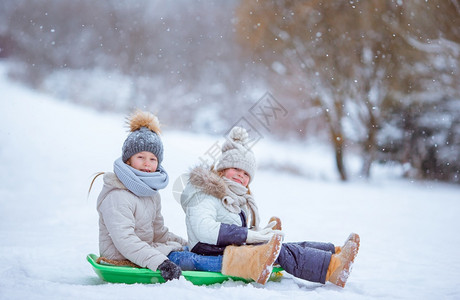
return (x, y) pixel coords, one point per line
(352, 237)
(278, 223)
(251, 261)
(276, 227)
(340, 265)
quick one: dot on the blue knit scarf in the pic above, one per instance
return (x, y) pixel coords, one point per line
(138, 182)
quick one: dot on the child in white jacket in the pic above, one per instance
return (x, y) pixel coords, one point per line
(222, 221)
(131, 226)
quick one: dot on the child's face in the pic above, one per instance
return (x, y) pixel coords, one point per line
(143, 161)
(237, 175)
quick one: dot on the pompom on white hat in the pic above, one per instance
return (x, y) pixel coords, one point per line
(144, 136)
(236, 153)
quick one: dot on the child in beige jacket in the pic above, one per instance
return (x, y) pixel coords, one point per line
(131, 226)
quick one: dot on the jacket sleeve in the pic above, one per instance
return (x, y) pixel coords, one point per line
(118, 216)
(203, 219)
(230, 234)
(161, 232)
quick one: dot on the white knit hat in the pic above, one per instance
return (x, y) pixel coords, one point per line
(236, 153)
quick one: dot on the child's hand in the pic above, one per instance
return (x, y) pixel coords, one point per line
(169, 270)
(262, 236)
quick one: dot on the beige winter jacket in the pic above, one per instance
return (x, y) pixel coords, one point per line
(132, 227)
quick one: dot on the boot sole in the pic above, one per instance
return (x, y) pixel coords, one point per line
(343, 276)
(268, 266)
(354, 237)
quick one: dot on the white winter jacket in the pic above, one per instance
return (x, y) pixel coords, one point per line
(132, 227)
(207, 220)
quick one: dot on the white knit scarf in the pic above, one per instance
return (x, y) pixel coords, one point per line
(236, 197)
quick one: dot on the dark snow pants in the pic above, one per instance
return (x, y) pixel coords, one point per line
(306, 260)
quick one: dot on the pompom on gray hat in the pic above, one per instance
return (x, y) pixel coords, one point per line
(236, 153)
(144, 136)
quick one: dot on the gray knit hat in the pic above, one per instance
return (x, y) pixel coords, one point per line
(144, 136)
(237, 154)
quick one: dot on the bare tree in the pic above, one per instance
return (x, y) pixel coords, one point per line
(358, 59)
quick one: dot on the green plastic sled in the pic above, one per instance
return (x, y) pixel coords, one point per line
(130, 275)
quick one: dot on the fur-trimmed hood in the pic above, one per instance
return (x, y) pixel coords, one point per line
(204, 181)
(208, 181)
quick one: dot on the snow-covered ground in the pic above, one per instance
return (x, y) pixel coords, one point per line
(50, 149)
